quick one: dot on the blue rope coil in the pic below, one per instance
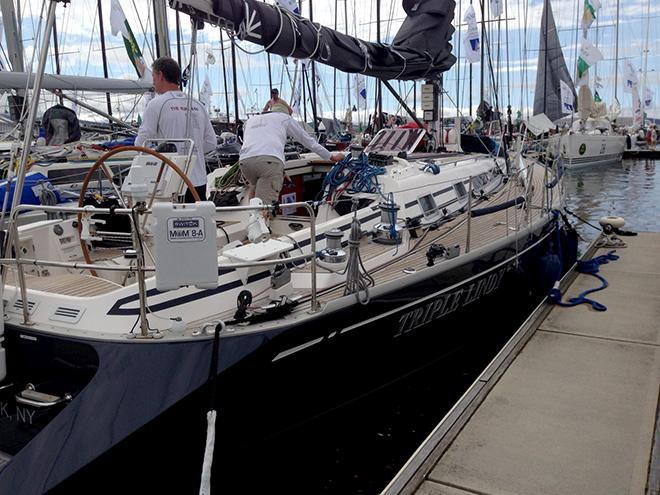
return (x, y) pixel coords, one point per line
(589, 267)
(356, 174)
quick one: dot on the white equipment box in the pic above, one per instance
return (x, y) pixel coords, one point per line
(144, 171)
(185, 245)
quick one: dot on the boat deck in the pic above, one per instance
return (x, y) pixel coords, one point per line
(569, 406)
(483, 230)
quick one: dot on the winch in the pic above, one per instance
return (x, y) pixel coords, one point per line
(333, 252)
(387, 231)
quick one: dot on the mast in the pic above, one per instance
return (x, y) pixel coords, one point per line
(334, 78)
(313, 85)
(646, 61)
(104, 55)
(57, 54)
(12, 36)
(161, 34)
(379, 86)
(234, 76)
(616, 54)
(483, 50)
(348, 76)
(178, 43)
(224, 73)
(545, 58)
(470, 77)
(270, 77)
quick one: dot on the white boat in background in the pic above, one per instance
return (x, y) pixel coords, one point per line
(586, 137)
(590, 142)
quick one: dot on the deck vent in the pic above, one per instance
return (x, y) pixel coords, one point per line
(18, 306)
(67, 314)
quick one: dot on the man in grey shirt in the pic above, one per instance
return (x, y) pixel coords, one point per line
(167, 116)
(262, 154)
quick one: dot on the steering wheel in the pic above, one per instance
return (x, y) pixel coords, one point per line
(100, 163)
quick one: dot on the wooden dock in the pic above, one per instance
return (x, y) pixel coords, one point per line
(569, 406)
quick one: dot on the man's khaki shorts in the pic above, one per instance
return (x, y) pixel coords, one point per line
(266, 174)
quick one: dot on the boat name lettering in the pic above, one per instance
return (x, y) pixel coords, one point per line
(448, 303)
(19, 414)
(185, 229)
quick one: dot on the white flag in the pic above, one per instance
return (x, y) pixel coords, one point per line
(589, 55)
(648, 98)
(361, 91)
(295, 100)
(630, 81)
(598, 83)
(118, 20)
(567, 100)
(205, 92)
(290, 5)
(496, 8)
(638, 114)
(471, 39)
(210, 58)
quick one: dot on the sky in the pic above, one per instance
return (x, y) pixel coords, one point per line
(514, 50)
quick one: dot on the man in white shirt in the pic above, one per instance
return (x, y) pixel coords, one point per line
(262, 153)
(166, 116)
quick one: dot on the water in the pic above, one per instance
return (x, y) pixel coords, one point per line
(630, 190)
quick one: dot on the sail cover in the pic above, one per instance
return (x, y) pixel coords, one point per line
(551, 69)
(420, 50)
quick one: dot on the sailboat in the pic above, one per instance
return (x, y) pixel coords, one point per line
(100, 344)
(587, 136)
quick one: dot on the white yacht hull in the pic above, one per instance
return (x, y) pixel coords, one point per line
(580, 150)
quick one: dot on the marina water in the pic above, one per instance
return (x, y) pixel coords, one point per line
(358, 445)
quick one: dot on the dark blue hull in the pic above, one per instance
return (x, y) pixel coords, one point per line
(126, 403)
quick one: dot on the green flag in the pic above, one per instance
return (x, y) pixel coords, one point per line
(119, 24)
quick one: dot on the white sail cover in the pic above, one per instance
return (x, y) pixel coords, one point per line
(21, 80)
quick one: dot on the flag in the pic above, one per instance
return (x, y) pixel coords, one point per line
(290, 5)
(597, 97)
(589, 55)
(598, 83)
(648, 98)
(295, 100)
(471, 39)
(361, 91)
(630, 81)
(638, 115)
(119, 24)
(185, 75)
(495, 8)
(567, 100)
(205, 92)
(591, 7)
(210, 58)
